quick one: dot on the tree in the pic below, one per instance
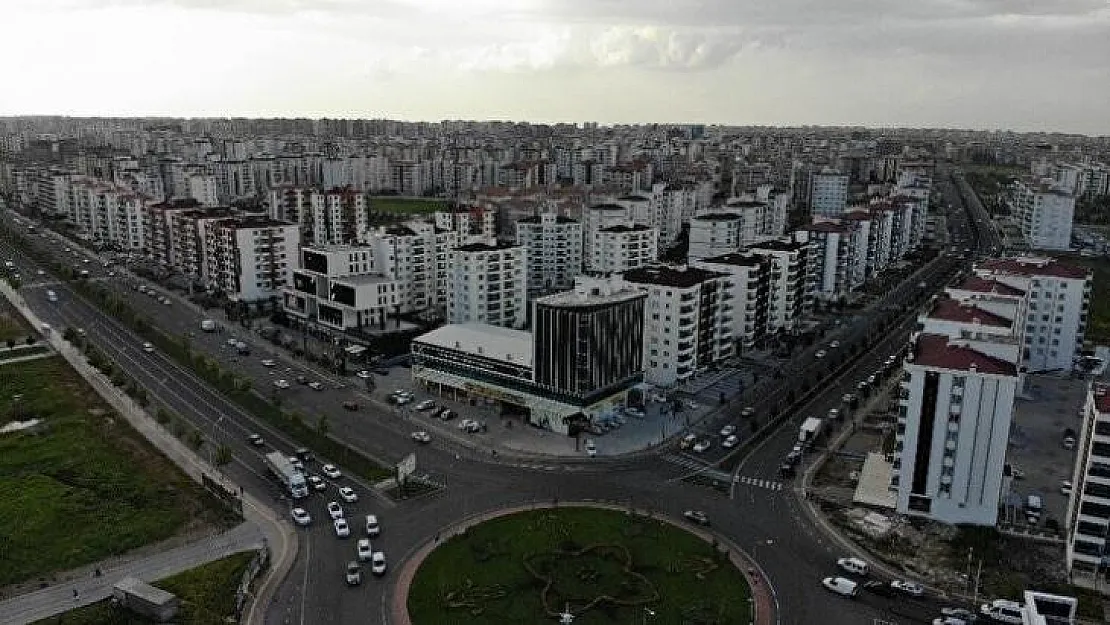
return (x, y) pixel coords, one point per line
(223, 455)
(195, 439)
(11, 343)
(323, 425)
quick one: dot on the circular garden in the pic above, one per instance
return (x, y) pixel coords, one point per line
(605, 566)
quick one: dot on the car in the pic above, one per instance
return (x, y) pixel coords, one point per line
(841, 586)
(363, 374)
(465, 424)
(282, 384)
(40, 272)
(425, 405)
(348, 494)
(728, 430)
(266, 362)
(302, 517)
(962, 613)
(696, 516)
(834, 344)
(747, 412)
(851, 399)
(148, 348)
(912, 589)
(377, 563)
(1065, 487)
(350, 405)
(256, 440)
(331, 471)
(300, 379)
(421, 436)
(304, 454)
(354, 574)
(820, 354)
(364, 550)
(342, 530)
(786, 469)
(316, 386)
(854, 566)
(702, 445)
(447, 415)
(317, 483)
(730, 441)
(297, 464)
(882, 589)
(591, 448)
(632, 411)
(373, 528)
(335, 511)
(951, 620)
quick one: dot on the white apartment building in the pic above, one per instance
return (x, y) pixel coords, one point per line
(336, 287)
(834, 260)
(1044, 213)
(468, 222)
(335, 217)
(956, 406)
(1059, 302)
(553, 248)
(596, 217)
(688, 321)
(793, 280)
(488, 284)
(251, 259)
(616, 249)
(106, 214)
(828, 192)
(203, 189)
(750, 277)
(714, 234)
(1088, 520)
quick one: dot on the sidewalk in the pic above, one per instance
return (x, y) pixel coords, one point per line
(395, 609)
(278, 534)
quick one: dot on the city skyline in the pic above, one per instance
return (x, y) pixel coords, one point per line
(986, 64)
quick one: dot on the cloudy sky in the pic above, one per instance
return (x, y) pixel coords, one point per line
(1022, 64)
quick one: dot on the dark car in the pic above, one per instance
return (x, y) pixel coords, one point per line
(696, 516)
(882, 589)
(786, 469)
(304, 454)
(351, 405)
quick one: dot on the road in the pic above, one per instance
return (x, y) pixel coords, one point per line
(766, 522)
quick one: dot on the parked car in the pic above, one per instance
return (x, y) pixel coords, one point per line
(282, 384)
(855, 566)
(266, 362)
(148, 348)
(363, 374)
(912, 589)
(425, 405)
(316, 386)
(882, 589)
(591, 448)
(730, 442)
(317, 483)
(702, 445)
(350, 405)
(688, 441)
(728, 430)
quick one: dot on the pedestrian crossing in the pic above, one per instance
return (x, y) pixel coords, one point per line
(686, 462)
(760, 483)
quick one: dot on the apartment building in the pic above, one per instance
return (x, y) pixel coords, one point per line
(1059, 297)
(594, 219)
(619, 248)
(1044, 213)
(688, 320)
(714, 234)
(488, 283)
(468, 222)
(250, 259)
(338, 216)
(203, 188)
(337, 287)
(828, 192)
(793, 279)
(553, 248)
(750, 276)
(835, 260)
(1088, 520)
(107, 214)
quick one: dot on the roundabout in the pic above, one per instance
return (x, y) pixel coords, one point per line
(600, 564)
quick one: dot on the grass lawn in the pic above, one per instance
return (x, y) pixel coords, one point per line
(207, 596)
(12, 324)
(1098, 326)
(408, 206)
(500, 571)
(86, 486)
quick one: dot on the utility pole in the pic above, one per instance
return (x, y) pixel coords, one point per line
(978, 573)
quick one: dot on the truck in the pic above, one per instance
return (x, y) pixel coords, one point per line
(811, 427)
(292, 479)
(208, 325)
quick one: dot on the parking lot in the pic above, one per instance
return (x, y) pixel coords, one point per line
(1049, 406)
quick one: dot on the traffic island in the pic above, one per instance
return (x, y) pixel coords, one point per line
(599, 564)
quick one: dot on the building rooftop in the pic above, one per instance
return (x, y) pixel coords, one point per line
(935, 350)
(253, 221)
(736, 259)
(398, 231)
(779, 246)
(607, 207)
(535, 219)
(948, 309)
(362, 278)
(982, 285)
(682, 277)
(494, 342)
(592, 292)
(744, 203)
(633, 198)
(486, 247)
(625, 228)
(718, 217)
(827, 226)
(1035, 266)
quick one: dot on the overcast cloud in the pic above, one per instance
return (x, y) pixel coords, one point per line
(1024, 64)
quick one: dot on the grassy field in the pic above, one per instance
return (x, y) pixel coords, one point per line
(508, 569)
(407, 206)
(1098, 326)
(12, 325)
(85, 486)
(207, 596)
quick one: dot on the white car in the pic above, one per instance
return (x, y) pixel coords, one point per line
(910, 588)
(841, 586)
(834, 344)
(348, 494)
(466, 424)
(266, 362)
(820, 354)
(728, 430)
(354, 574)
(591, 449)
(148, 348)
(316, 386)
(40, 272)
(282, 383)
(854, 566)
(331, 471)
(335, 511)
(1065, 487)
(316, 483)
(422, 437)
(373, 528)
(702, 445)
(365, 551)
(363, 374)
(730, 442)
(377, 563)
(425, 405)
(302, 517)
(341, 528)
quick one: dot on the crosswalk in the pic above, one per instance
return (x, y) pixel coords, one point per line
(760, 483)
(686, 462)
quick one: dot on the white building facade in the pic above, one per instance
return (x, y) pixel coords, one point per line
(1044, 213)
(488, 284)
(553, 247)
(251, 259)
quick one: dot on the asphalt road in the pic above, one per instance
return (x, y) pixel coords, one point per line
(767, 523)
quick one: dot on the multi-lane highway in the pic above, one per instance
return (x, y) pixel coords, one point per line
(764, 521)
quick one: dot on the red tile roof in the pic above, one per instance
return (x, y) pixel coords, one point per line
(934, 350)
(949, 309)
(982, 285)
(1102, 401)
(1039, 267)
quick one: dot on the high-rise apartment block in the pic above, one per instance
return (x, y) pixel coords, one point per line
(828, 192)
(553, 247)
(488, 283)
(1044, 213)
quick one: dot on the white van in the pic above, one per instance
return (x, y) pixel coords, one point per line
(841, 586)
(1033, 507)
(855, 566)
(52, 296)
(1003, 611)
